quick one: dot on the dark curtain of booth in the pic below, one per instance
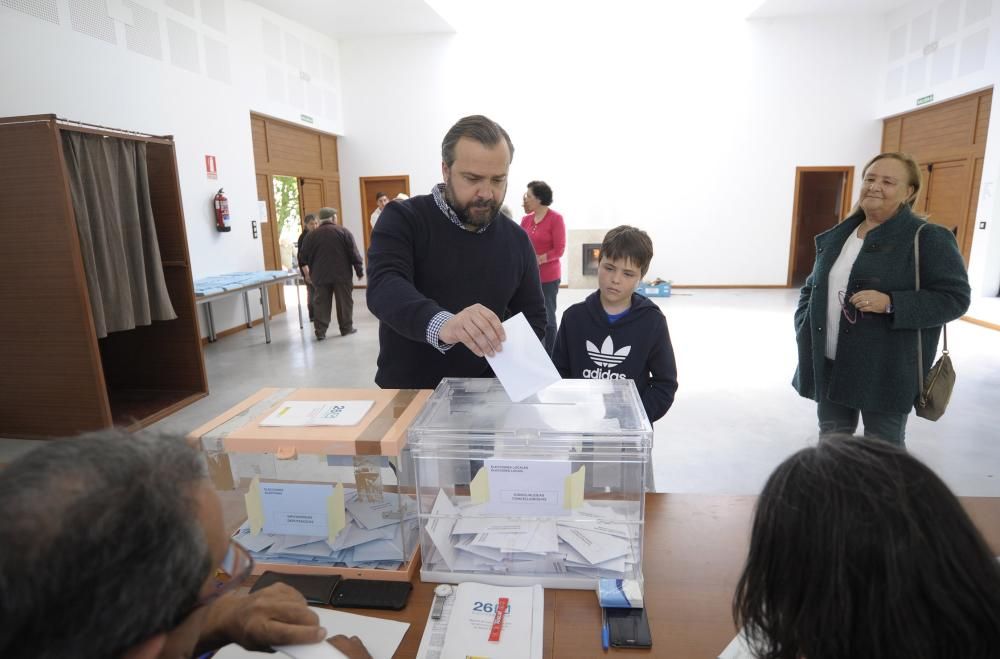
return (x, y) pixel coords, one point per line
(114, 217)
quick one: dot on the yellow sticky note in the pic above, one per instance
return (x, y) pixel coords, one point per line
(255, 512)
(336, 517)
(573, 488)
(479, 488)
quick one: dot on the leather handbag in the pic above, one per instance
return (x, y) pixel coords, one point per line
(935, 391)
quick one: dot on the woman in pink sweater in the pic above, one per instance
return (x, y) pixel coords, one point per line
(547, 231)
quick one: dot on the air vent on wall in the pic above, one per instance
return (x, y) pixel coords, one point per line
(91, 17)
(296, 92)
(43, 9)
(183, 6)
(293, 51)
(213, 14)
(216, 59)
(144, 36)
(183, 46)
(271, 38)
(275, 81)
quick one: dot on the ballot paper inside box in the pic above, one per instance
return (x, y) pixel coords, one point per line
(320, 498)
(548, 490)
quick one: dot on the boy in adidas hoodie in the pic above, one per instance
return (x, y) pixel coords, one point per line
(616, 333)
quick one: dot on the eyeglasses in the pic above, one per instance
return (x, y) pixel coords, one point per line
(234, 570)
(850, 311)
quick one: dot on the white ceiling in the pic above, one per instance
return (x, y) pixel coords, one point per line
(776, 8)
(347, 19)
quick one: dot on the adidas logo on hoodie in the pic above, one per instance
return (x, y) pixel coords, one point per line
(607, 357)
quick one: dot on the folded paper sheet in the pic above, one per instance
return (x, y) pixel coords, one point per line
(523, 367)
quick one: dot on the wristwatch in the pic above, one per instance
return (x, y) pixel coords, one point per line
(441, 593)
(889, 308)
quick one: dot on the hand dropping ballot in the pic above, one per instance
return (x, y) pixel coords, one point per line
(298, 413)
(523, 367)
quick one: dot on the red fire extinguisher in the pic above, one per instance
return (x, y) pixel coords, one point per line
(222, 212)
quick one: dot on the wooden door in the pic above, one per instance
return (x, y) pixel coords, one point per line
(283, 148)
(822, 198)
(371, 186)
(949, 141)
(269, 242)
(311, 197)
(948, 195)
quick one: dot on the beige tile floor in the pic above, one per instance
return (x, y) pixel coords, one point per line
(735, 418)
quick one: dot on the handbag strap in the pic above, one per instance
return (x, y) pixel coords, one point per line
(920, 342)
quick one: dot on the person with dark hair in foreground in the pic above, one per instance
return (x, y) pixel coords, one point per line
(858, 550)
(112, 546)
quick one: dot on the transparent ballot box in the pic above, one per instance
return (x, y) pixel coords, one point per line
(313, 480)
(546, 491)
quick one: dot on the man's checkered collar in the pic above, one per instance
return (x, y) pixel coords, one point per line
(438, 193)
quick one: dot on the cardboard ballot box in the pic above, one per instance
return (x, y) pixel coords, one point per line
(546, 491)
(324, 484)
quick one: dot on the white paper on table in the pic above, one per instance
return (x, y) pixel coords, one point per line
(523, 367)
(527, 487)
(469, 625)
(295, 508)
(381, 638)
(300, 413)
(439, 526)
(594, 547)
(737, 649)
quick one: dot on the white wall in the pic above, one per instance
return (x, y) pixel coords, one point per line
(201, 71)
(963, 40)
(689, 126)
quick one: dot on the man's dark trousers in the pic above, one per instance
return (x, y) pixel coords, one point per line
(323, 299)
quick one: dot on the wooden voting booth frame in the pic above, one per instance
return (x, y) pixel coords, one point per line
(56, 377)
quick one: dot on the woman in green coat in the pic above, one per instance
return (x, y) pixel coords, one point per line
(858, 314)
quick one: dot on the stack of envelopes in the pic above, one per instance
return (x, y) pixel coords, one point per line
(368, 540)
(596, 540)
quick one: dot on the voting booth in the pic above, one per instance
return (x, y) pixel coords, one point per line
(321, 478)
(548, 490)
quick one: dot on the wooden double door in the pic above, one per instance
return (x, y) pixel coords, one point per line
(282, 148)
(949, 142)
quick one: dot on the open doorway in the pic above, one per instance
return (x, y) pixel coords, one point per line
(371, 186)
(288, 215)
(822, 199)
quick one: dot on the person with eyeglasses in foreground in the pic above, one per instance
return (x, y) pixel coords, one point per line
(857, 549)
(112, 545)
(858, 313)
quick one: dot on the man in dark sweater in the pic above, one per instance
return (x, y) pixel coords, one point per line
(616, 333)
(327, 256)
(444, 268)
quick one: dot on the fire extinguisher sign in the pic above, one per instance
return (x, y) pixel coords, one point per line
(210, 167)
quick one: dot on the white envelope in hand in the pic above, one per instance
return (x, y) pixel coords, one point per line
(523, 366)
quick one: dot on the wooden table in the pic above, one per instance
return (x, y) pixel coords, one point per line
(694, 550)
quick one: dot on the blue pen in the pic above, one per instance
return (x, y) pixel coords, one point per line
(605, 631)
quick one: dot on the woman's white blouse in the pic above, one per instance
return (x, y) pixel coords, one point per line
(840, 273)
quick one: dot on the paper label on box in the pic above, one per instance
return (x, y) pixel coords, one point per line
(296, 508)
(527, 487)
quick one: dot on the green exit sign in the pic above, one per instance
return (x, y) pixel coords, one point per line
(307, 119)
(924, 100)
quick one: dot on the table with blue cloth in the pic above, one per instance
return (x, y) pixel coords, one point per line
(212, 288)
